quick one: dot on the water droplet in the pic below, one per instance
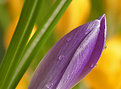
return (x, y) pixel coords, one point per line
(61, 57)
(49, 85)
(68, 39)
(105, 47)
(92, 65)
(95, 66)
(86, 32)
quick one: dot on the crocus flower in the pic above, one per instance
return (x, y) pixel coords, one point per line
(72, 57)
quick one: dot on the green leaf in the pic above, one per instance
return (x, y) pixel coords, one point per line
(2, 51)
(35, 44)
(46, 6)
(19, 41)
(97, 9)
(4, 18)
(40, 37)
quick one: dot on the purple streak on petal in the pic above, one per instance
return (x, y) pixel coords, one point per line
(98, 48)
(73, 50)
(94, 57)
(78, 70)
(79, 60)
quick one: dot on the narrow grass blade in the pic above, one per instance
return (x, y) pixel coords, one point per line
(36, 42)
(18, 42)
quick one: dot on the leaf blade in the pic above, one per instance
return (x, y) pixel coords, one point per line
(19, 40)
(38, 39)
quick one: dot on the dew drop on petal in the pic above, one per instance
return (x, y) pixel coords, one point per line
(105, 47)
(86, 32)
(61, 57)
(95, 66)
(49, 85)
(68, 39)
(92, 65)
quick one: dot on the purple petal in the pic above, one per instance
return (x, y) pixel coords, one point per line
(92, 53)
(71, 58)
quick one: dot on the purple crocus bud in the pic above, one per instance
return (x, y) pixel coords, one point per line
(72, 57)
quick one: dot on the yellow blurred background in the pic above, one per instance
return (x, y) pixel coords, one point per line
(107, 74)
